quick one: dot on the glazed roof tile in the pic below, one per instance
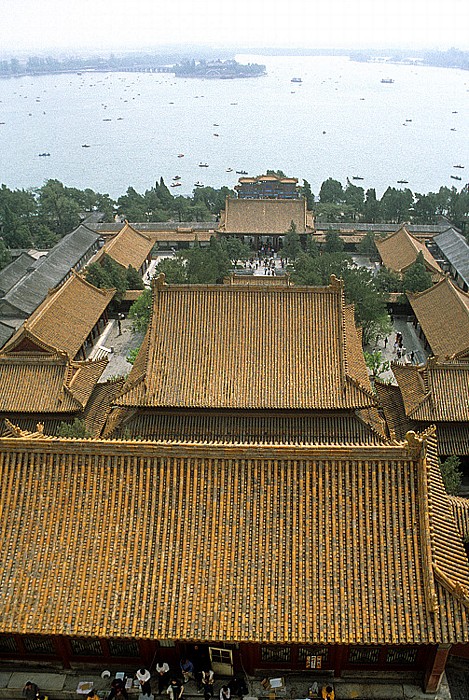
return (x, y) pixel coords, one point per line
(67, 316)
(460, 507)
(435, 391)
(129, 247)
(296, 428)
(399, 251)
(46, 383)
(443, 313)
(330, 545)
(263, 215)
(231, 346)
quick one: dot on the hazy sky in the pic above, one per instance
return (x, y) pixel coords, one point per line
(28, 25)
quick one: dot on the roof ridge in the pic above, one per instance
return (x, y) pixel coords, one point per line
(140, 233)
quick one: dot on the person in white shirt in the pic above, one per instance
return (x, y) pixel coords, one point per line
(225, 693)
(162, 673)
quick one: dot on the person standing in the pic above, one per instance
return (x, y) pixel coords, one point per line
(143, 677)
(162, 671)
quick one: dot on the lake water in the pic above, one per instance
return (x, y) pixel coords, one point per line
(340, 121)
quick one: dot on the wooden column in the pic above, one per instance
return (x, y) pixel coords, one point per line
(435, 668)
(62, 651)
(341, 651)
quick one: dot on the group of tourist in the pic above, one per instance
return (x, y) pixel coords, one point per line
(173, 684)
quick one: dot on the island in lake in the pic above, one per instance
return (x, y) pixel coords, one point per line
(217, 69)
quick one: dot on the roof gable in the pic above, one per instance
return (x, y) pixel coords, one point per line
(399, 251)
(129, 247)
(443, 314)
(78, 303)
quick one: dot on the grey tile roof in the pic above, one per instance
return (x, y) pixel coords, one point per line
(13, 272)
(455, 249)
(26, 295)
(6, 331)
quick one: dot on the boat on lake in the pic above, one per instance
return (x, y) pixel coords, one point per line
(296, 80)
(85, 145)
(229, 170)
(458, 166)
(180, 155)
(241, 172)
(203, 165)
(357, 177)
(387, 80)
(402, 182)
(456, 177)
(176, 184)
(177, 177)
(44, 155)
(198, 184)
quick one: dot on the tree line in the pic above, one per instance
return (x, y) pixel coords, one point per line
(38, 218)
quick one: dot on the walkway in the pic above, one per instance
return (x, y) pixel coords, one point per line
(62, 684)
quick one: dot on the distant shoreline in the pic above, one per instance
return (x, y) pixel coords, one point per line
(158, 63)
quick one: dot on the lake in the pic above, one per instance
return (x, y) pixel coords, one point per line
(107, 131)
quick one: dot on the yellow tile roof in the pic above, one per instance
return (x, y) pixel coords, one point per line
(129, 247)
(325, 544)
(443, 313)
(253, 427)
(399, 251)
(263, 215)
(257, 347)
(435, 392)
(460, 507)
(66, 316)
(46, 383)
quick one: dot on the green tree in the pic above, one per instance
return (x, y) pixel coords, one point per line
(5, 255)
(355, 198)
(334, 243)
(140, 311)
(235, 248)
(331, 192)
(308, 195)
(367, 246)
(387, 280)
(207, 265)
(174, 270)
(396, 205)
(77, 429)
(133, 206)
(107, 274)
(133, 279)
(291, 243)
(417, 278)
(372, 207)
(452, 476)
(132, 355)
(57, 208)
(376, 364)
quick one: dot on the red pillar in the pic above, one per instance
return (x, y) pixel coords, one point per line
(435, 668)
